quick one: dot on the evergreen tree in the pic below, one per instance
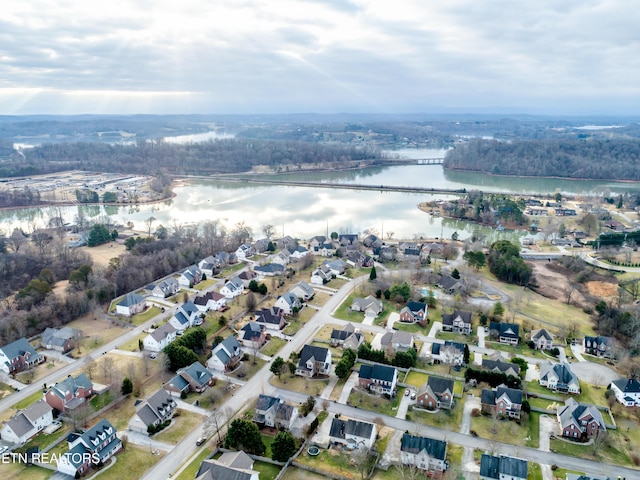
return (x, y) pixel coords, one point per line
(373, 275)
(283, 447)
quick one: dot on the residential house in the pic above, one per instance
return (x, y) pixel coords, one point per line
(230, 466)
(380, 379)
(346, 239)
(285, 242)
(303, 291)
(209, 265)
(283, 257)
(246, 276)
(357, 259)
(269, 270)
(166, 288)
(194, 378)
(558, 376)
(244, 251)
(500, 366)
(131, 304)
(503, 468)
(252, 335)
(317, 241)
(565, 212)
(451, 285)
(190, 276)
(457, 322)
(314, 361)
(153, 411)
(542, 339)
(503, 401)
(261, 246)
(272, 318)
(210, 301)
(424, 453)
(62, 340)
(321, 275)
(233, 288)
(91, 448)
(451, 353)
(599, 346)
(436, 393)
(372, 241)
(337, 266)
(370, 305)
(274, 412)
(326, 249)
(414, 312)
(627, 391)
(347, 337)
(386, 253)
(186, 316)
(27, 423)
(70, 393)
(288, 303)
(578, 420)
(352, 434)
(226, 355)
(397, 341)
(505, 332)
(19, 355)
(298, 252)
(159, 338)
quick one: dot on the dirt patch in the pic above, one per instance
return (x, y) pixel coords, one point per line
(602, 289)
(103, 253)
(554, 281)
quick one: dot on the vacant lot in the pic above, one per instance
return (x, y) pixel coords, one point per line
(103, 253)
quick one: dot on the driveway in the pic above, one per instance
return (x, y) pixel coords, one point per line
(548, 427)
(481, 334)
(435, 328)
(393, 318)
(405, 401)
(577, 351)
(351, 382)
(469, 466)
(594, 373)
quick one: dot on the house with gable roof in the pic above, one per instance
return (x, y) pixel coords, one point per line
(627, 391)
(268, 270)
(347, 337)
(186, 316)
(244, 251)
(288, 303)
(159, 338)
(131, 304)
(226, 355)
(450, 285)
(451, 353)
(504, 332)
(542, 339)
(314, 361)
(190, 276)
(502, 468)
(89, 449)
(19, 355)
(166, 288)
(321, 275)
(210, 301)
(457, 322)
(336, 266)
(230, 466)
(193, 378)
(261, 245)
(283, 257)
(274, 412)
(414, 312)
(272, 318)
(503, 401)
(69, 393)
(27, 423)
(253, 334)
(298, 252)
(246, 276)
(370, 305)
(153, 411)
(209, 265)
(579, 420)
(233, 288)
(380, 379)
(353, 434)
(397, 341)
(436, 393)
(499, 366)
(559, 376)
(599, 346)
(303, 291)
(424, 453)
(60, 339)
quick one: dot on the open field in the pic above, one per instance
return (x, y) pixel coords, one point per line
(375, 403)
(20, 471)
(96, 330)
(299, 384)
(273, 346)
(101, 254)
(508, 431)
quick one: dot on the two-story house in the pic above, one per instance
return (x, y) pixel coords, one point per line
(272, 318)
(380, 379)
(27, 423)
(131, 304)
(499, 366)
(542, 339)
(397, 341)
(424, 453)
(253, 335)
(19, 355)
(303, 291)
(347, 337)
(288, 303)
(233, 288)
(230, 466)
(268, 270)
(502, 401)
(578, 420)
(159, 338)
(153, 411)
(210, 301)
(627, 391)
(449, 352)
(504, 332)
(457, 322)
(414, 312)
(353, 434)
(560, 377)
(166, 288)
(69, 393)
(503, 468)
(244, 251)
(321, 275)
(226, 355)
(274, 412)
(314, 361)
(436, 393)
(190, 276)
(599, 346)
(186, 316)
(95, 446)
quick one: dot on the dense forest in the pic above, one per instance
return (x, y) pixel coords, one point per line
(613, 159)
(149, 158)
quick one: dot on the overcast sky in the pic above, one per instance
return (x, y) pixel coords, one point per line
(325, 56)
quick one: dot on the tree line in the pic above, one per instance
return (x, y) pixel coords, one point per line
(592, 158)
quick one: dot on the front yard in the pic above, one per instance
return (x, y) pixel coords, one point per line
(376, 403)
(273, 346)
(449, 419)
(180, 427)
(508, 431)
(304, 385)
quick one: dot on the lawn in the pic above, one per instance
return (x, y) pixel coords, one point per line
(248, 368)
(21, 471)
(148, 314)
(268, 471)
(180, 426)
(43, 440)
(449, 419)
(132, 463)
(508, 431)
(273, 346)
(204, 284)
(375, 403)
(331, 461)
(417, 379)
(411, 328)
(300, 384)
(535, 473)
(613, 451)
(31, 399)
(344, 311)
(133, 345)
(189, 473)
(267, 439)
(295, 473)
(296, 322)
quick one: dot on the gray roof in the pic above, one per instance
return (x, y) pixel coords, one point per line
(20, 424)
(265, 402)
(380, 372)
(627, 386)
(340, 428)
(493, 467)
(561, 370)
(499, 365)
(196, 372)
(271, 315)
(489, 397)
(72, 385)
(508, 330)
(58, 336)
(269, 268)
(131, 299)
(162, 332)
(572, 411)
(213, 470)
(439, 384)
(19, 348)
(311, 351)
(252, 330)
(448, 318)
(540, 333)
(435, 448)
(178, 382)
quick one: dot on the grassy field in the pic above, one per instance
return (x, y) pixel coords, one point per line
(273, 346)
(204, 284)
(189, 473)
(449, 419)
(248, 368)
(148, 314)
(179, 428)
(20, 471)
(508, 431)
(300, 384)
(132, 463)
(376, 403)
(295, 473)
(416, 379)
(268, 471)
(614, 450)
(296, 323)
(331, 461)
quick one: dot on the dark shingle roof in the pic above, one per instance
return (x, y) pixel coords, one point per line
(628, 386)
(413, 444)
(340, 428)
(439, 384)
(380, 372)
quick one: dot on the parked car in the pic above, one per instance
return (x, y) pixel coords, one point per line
(200, 441)
(407, 392)
(413, 395)
(153, 355)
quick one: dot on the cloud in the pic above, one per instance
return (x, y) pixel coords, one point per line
(317, 55)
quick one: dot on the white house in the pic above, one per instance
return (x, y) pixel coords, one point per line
(186, 316)
(281, 258)
(303, 291)
(233, 288)
(131, 304)
(27, 423)
(560, 377)
(244, 251)
(166, 288)
(210, 301)
(226, 355)
(288, 302)
(353, 434)
(298, 252)
(159, 338)
(18, 355)
(153, 411)
(190, 276)
(314, 361)
(627, 391)
(424, 453)
(230, 466)
(321, 275)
